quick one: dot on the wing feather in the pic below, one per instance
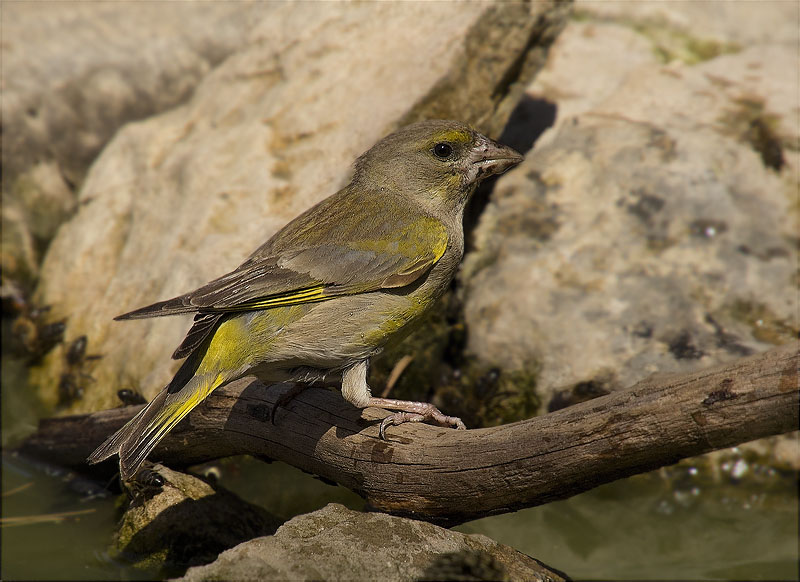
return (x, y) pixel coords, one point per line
(315, 258)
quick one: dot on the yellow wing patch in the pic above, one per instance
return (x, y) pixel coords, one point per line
(440, 245)
(308, 295)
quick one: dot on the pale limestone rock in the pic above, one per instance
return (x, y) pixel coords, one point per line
(646, 233)
(73, 72)
(588, 63)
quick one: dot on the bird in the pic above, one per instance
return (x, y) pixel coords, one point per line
(332, 288)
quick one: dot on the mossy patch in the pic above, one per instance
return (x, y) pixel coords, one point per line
(185, 522)
(502, 52)
(669, 42)
(483, 395)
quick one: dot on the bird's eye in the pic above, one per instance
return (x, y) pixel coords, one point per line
(442, 150)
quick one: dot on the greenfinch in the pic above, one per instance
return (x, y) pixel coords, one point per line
(328, 291)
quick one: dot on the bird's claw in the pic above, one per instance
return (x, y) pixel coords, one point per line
(429, 413)
(285, 399)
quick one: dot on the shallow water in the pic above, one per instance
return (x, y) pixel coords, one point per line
(643, 528)
(668, 524)
(637, 528)
(71, 549)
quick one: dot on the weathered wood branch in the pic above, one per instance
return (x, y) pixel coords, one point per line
(451, 476)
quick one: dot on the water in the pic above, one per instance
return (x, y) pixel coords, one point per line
(74, 548)
(643, 528)
(669, 524)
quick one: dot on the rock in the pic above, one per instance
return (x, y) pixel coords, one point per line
(619, 48)
(72, 75)
(336, 543)
(700, 23)
(177, 520)
(615, 52)
(32, 210)
(653, 228)
(179, 199)
(19, 260)
(787, 452)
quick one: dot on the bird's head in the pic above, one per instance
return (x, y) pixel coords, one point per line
(439, 162)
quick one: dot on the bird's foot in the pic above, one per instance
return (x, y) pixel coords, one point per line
(286, 398)
(409, 411)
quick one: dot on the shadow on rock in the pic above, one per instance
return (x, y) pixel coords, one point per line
(177, 521)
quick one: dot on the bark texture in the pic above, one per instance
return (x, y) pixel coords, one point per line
(449, 476)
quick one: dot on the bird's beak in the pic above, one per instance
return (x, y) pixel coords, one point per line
(488, 158)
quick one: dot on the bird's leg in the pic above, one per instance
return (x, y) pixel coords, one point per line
(356, 391)
(354, 384)
(286, 398)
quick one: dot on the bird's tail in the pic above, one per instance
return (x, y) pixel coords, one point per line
(135, 440)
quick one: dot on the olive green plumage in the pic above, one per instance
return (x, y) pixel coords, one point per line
(332, 287)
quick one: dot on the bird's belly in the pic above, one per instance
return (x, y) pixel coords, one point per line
(333, 334)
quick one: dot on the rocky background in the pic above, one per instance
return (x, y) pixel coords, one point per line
(655, 226)
(149, 147)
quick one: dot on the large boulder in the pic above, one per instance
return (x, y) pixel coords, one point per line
(73, 73)
(336, 543)
(654, 227)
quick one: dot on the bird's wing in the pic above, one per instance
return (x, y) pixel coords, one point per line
(355, 257)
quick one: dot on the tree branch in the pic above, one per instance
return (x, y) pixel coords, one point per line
(450, 476)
